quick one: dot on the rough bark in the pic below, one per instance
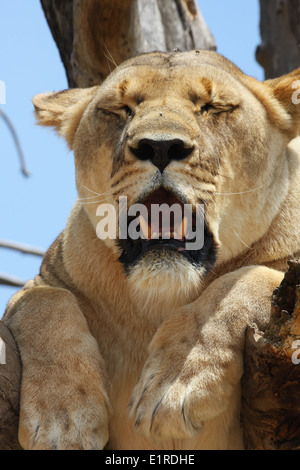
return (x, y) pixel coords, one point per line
(10, 377)
(94, 36)
(59, 15)
(271, 383)
(279, 51)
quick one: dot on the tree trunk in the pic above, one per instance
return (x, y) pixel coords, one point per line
(279, 52)
(94, 36)
(271, 383)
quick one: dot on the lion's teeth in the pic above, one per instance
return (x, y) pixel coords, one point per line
(179, 233)
(145, 228)
(182, 228)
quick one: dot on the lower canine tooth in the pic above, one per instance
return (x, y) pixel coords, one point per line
(182, 228)
(145, 228)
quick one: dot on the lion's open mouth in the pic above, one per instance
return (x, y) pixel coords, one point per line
(173, 233)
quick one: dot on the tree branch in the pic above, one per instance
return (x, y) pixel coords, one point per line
(16, 141)
(6, 280)
(22, 247)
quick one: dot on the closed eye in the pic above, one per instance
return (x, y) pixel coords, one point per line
(207, 107)
(128, 110)
(217, 108)
(124, 111)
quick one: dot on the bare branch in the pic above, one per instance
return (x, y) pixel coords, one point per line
(7, 280)
(27, 249)
(16, 141)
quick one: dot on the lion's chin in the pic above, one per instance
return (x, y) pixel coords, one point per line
(163, 277)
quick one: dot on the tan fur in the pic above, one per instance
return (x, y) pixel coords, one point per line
(167, 338)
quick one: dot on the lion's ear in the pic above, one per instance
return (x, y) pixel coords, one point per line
(286, 90)
(63, 110)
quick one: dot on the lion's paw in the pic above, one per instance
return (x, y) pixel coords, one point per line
(165, 409)
(63, 417)
(174, 398)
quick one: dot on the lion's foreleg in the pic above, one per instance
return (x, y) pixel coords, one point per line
(64, 403)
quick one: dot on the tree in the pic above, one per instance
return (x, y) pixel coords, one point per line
(89, 53)
(93, 36)
(279, 51)
(270, 388)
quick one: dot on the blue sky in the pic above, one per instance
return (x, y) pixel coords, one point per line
(34, 210)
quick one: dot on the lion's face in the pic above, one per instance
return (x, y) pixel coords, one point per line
(180, 128)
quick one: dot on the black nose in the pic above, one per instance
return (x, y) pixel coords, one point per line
(161, 152)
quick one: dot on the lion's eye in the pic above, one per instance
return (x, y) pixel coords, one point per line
(127, 110)
(216, 108)
(207, 107)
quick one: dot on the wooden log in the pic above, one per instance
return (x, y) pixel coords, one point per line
(271, 384)
(10, 379)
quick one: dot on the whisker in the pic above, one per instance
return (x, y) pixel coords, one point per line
(98, 201)
(242, 192)
(107, 61)
(109, 56)
(88, 189)
(232, 178)
(95, 202)
(210, 198)
(94, 192)
(244, 243)
(91, 197)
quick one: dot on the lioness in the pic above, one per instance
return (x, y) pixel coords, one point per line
(138, 343)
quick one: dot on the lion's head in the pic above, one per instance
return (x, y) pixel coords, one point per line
(179, 128)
